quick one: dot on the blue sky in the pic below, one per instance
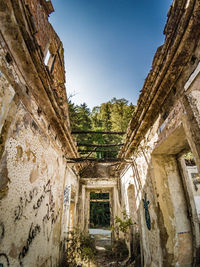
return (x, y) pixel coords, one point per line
(109, 45)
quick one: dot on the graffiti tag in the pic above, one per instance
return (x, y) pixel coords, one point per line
(33, 232)
(67, 194)
(4, 261)
(147, 214)
(24, 201)
(46, 189)
(2, 231)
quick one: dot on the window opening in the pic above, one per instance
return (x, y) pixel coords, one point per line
(100, 217)
(194, 178)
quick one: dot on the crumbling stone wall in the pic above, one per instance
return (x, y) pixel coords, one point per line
(33, 171)
(164, 126)
(34, 138)
(39, 12)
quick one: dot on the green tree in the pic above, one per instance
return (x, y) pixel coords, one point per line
(121, 114)
(113, 115)
(95, 119)
(84, 121)
(105, 116)
(73, 115)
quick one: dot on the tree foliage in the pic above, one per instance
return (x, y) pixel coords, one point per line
(113, 115)
(99, 214)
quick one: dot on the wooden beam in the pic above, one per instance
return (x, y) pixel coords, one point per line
(103, 145)
(100, 200)
(96, 132)
(78, 160)
(87, 151)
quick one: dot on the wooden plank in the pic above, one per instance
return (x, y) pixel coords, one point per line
(96, 132)
(87, 151)
(103, 145)
(100, 200)
(78, 160)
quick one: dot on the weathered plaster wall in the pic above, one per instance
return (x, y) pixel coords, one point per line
(156, 174)
(33, 175)
(71, 190)
(34, 139)
(150, 240)
(165, 125)
(131, 201)
(155, 166)
(6, 95)
(30, 213)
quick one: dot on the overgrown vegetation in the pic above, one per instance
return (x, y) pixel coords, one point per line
(122, 225)
(189, 159)
(119, 251)
(113, 115)
(80, 248)
(99, 214)
(119, 247)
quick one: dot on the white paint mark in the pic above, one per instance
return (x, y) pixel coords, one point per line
(192, 77)
(46, 60)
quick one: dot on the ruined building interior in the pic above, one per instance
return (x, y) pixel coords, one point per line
(46, 187)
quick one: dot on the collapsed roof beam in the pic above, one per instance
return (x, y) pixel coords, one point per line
(78, 160)
(87, 151)
(103, 145)
(96, 132)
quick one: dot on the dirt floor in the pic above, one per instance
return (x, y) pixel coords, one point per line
(104, 257)
(102, 260)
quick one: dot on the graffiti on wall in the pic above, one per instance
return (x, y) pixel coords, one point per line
(46, 189)
(49, 218)
(24, 201)
(67, 191)
(33, 232)
(51, 214)
(147, 214)
(2, 232)
(4, 261)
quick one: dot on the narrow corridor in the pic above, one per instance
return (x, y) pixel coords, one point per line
(141, 186)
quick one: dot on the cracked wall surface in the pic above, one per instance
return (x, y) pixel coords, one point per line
(166, 125)
(34, 138)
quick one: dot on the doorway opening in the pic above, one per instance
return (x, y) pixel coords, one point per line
(100, 218)
(173, 170)
(99, 210)
(191, 183)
